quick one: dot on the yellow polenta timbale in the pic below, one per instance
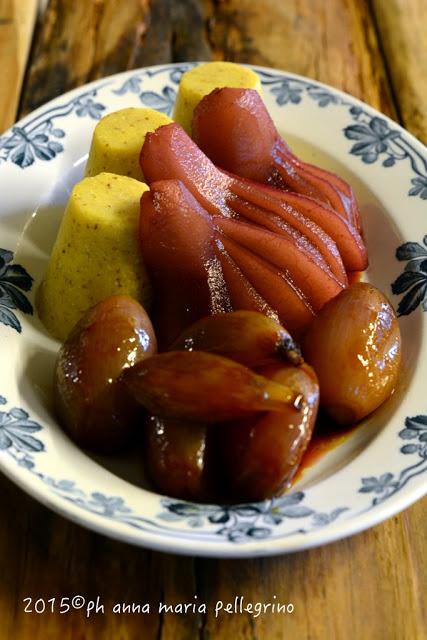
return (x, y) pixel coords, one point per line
(118, 138)
(96, 253)
(200, 81)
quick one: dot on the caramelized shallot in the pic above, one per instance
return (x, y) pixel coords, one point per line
(92, 403)
(203, 387)
(354, 345)
(247, 337)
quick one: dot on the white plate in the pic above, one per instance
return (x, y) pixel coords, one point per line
(377, 472)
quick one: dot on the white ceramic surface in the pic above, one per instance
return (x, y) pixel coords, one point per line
(379, 470)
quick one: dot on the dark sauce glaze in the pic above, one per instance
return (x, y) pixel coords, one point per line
(326, 437)
(354, 276)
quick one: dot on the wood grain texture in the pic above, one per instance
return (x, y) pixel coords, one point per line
(119, 35)
(69, 47)
(333, 41)
(17, 19)
(402, 26)
(352, 589)
(369, 587)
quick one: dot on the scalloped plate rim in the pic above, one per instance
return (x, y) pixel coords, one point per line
(221, 548)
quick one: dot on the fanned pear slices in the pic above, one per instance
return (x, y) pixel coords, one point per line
(283, 253)
(177, 238)
(274, 256)
(235, 130)
(243, 295)
(293, 308)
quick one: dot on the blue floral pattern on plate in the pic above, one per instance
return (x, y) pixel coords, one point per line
(236, 523)
(163, 101)
(389, 484)
(374, 139)
(14, 279)
(16, 431)
(413, 280)
(245, 522)
(372, 135)
(41, 138)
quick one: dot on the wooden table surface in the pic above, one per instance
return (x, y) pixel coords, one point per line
(371, 586)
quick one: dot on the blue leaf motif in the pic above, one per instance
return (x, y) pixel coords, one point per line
(169, 516)
(380, 127)
(287, 500)
(9, 319)
(374, 138)
(55, 147)
(27, 463)
(19, 414)
(409, 448)
(16, 430)
(239, 523)
(417, 422)
(6, 256)
(11, 142)
(58, 133)
(357, 131)
(6, 302)
(110, 506)
(322, 96)
(413, 298)
(176, 75)
(88, 107)
(258, 532)
(195, 522)
(131, 85)
(323, 519)
(408, 434)
(419, 187)
(388, 485)
(13, 277)
(25, 442)
(39, 138)
(243, 522)
(246, 510)
(221, 517)
(16, 275)
(389, 162)
(417, 266)
(23, 155)
(182, 509)
(296, 511)
(5, 441)
(43, 152)
(286, 93)
(272, 518)
(163, 102)
(377, 485)
(413, 280)
(16, 299)
(66, 485)
(406, 280)
(410, 250)
(236, 535)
